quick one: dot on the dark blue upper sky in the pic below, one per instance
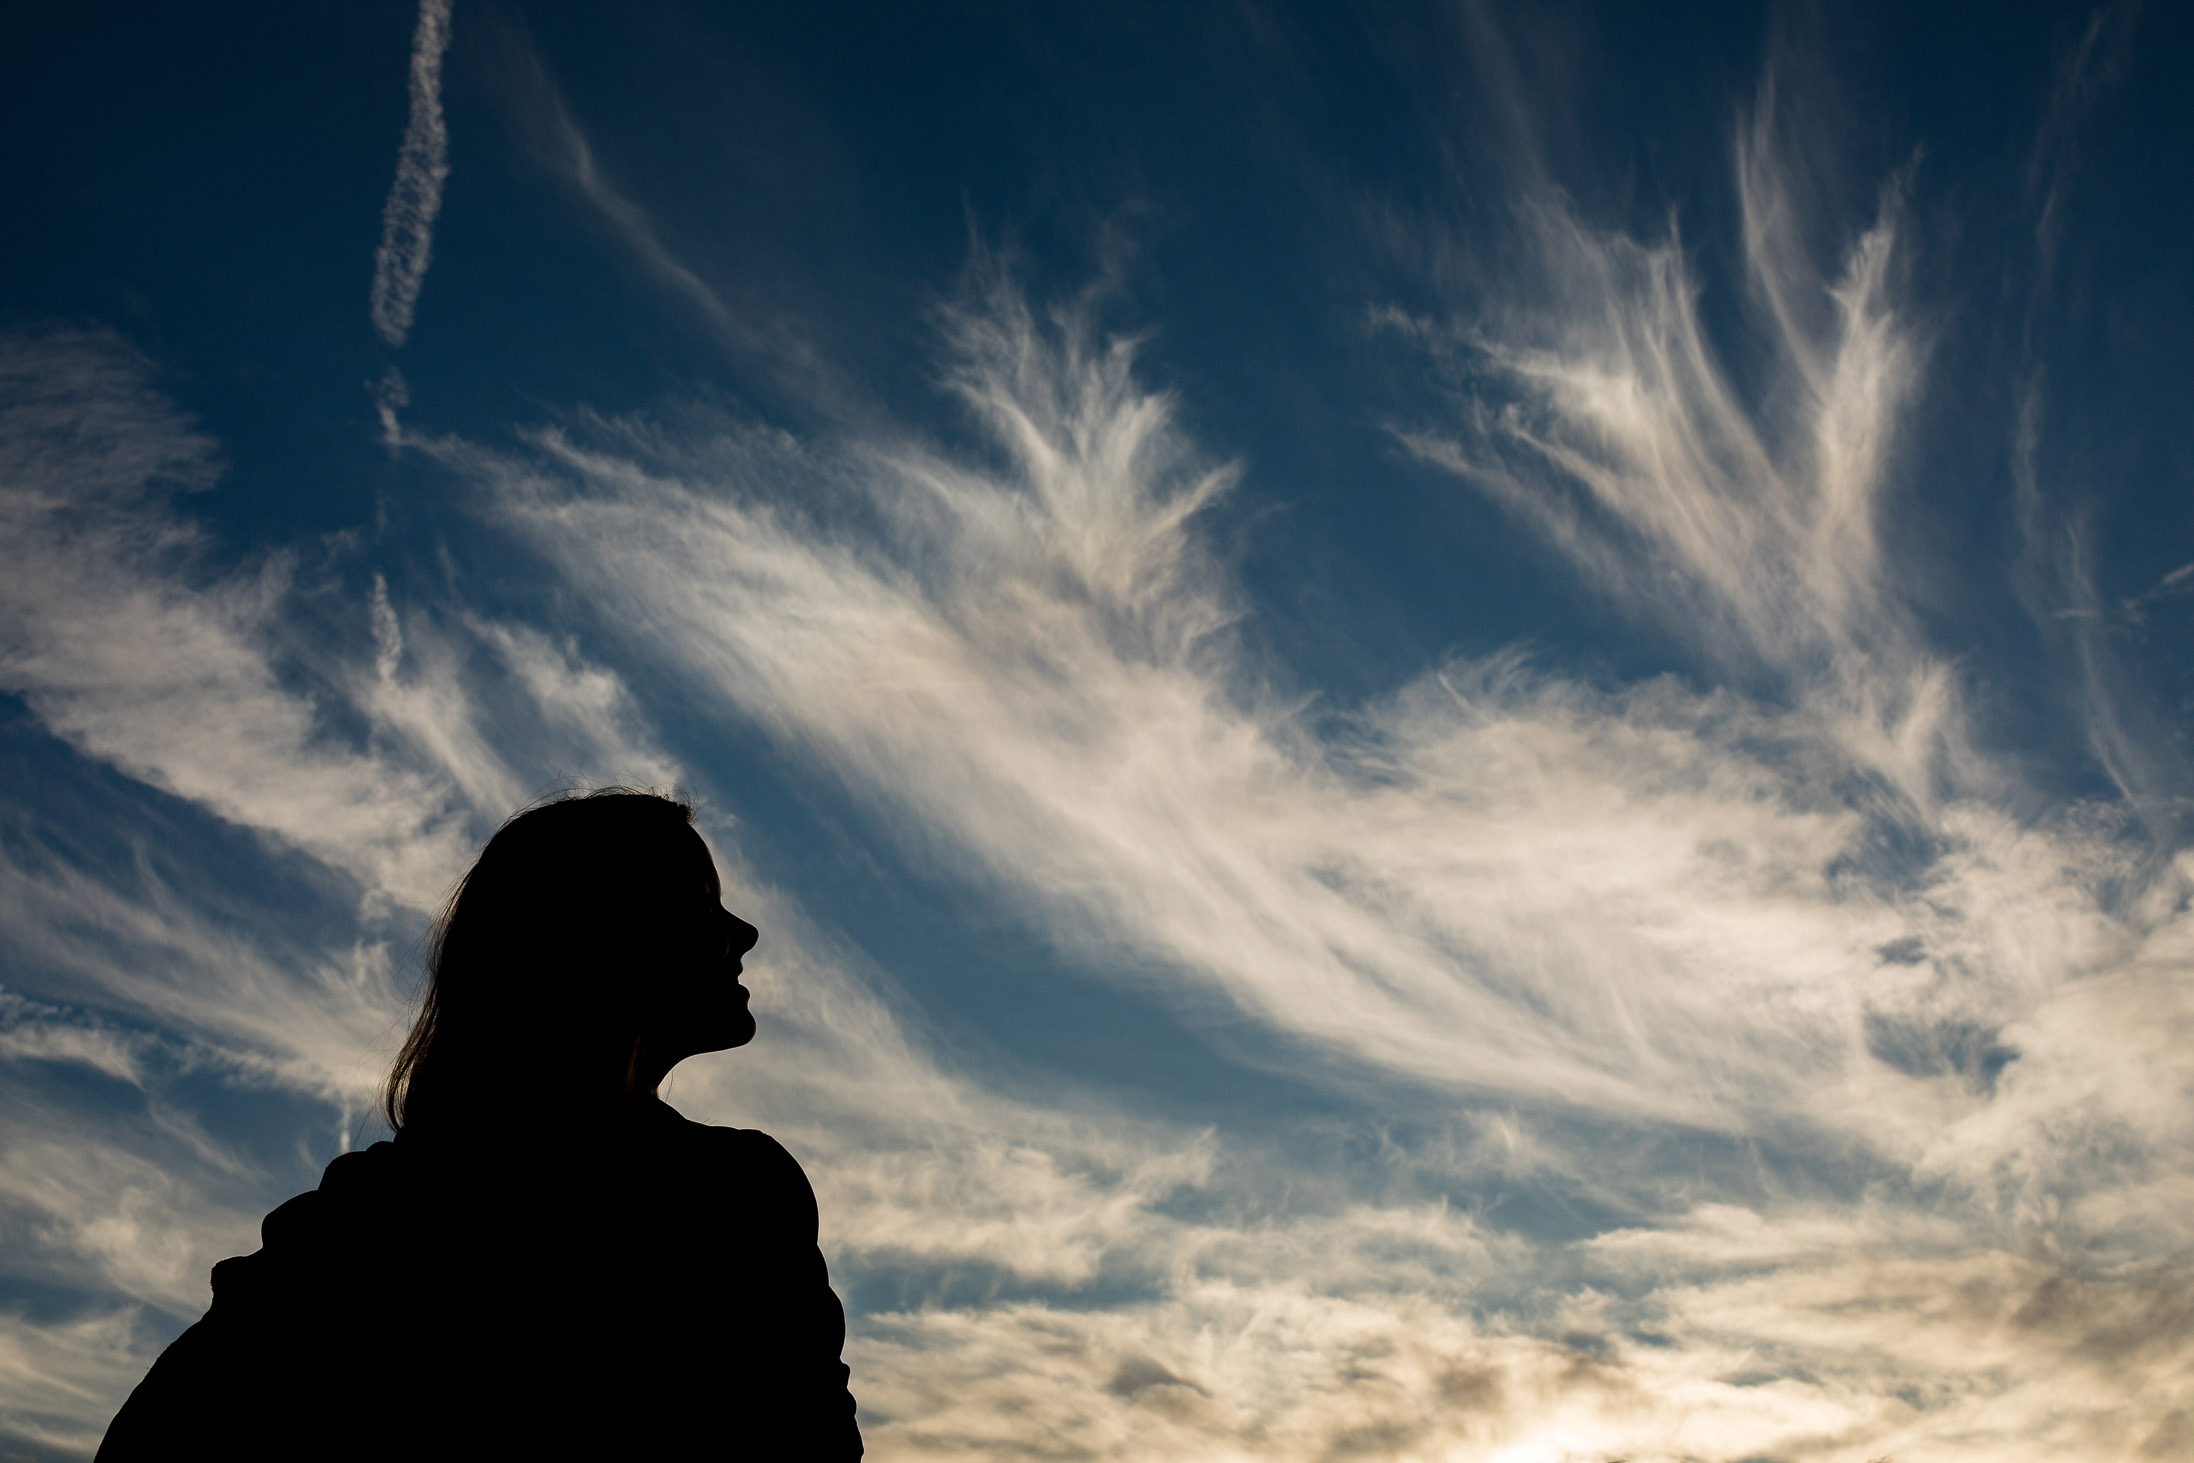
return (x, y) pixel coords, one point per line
(1234, 175)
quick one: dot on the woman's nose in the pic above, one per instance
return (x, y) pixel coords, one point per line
(743, 935)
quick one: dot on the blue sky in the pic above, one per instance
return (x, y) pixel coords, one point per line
(1457, 730)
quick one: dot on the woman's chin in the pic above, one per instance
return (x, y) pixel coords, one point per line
(735, 1028)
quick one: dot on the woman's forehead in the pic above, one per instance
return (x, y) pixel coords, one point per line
(707, 861)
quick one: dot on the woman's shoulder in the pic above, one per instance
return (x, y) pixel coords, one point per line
(748, 1148)
(753, 1162)
(326, 1227)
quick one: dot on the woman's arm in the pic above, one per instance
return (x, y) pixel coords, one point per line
(805, 1325)
(224, 1388)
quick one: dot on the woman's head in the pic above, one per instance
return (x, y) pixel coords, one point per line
(583, 956)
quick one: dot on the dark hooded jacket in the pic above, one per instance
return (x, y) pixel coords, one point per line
(646, 1287)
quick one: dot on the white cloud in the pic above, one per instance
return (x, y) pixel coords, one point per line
(35, 1031)
(1992, 1352)
(1646, 904)
(1746, 518)
(318, 1021)
(1754, 525)
(58, 1380)
(202, 680)
(129, 647)
(422, 166)
(751, 325)
(131, 1220)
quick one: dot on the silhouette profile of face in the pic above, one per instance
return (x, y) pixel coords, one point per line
(701, 1006)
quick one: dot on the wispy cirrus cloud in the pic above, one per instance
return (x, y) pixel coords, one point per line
(752, 326)
(57, 1379)
(2130, 736)
(1746, 519)
(129, 645)
(1755, 523)
(1035, 662)
(415, 198)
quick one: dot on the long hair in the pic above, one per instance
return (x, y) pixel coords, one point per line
(543, 957)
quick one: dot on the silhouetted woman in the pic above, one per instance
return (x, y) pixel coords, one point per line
(547, 1261)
